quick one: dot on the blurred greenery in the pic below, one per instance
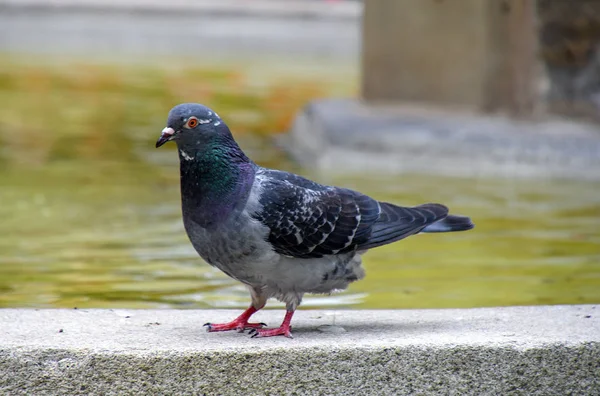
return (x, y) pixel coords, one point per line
(90, 210)
(57, 111)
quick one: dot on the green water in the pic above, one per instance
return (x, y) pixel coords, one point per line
(109, 234)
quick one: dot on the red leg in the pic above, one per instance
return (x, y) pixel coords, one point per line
(240, 323)
(284, 329)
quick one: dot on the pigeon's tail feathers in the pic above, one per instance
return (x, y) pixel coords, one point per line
(450, 223)
(397, 222)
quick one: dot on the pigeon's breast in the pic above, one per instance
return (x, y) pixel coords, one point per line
(235, 247)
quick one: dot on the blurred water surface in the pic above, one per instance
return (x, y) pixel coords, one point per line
(103, 235)
(91, 218)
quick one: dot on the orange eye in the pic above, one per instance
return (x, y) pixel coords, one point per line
(192, 122)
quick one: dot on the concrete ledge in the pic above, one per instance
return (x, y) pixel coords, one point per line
(349, 136)
(208, 30)
(264, 8)
(516, 350)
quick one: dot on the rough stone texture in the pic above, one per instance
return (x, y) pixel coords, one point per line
(518, 350)
(350, 136)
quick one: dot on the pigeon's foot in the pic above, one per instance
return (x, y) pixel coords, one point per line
(284, 329)
(240, 323)
(236, 324)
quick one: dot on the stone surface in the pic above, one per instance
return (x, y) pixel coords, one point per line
(517, 350)
(350, 136)
(428, 60)
(187, 30)
(289, 8)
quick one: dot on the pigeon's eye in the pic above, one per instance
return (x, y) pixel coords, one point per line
(192, 122)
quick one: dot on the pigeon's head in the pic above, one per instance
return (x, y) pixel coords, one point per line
(190, 121)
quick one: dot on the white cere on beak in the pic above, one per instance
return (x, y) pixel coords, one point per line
(168, 131)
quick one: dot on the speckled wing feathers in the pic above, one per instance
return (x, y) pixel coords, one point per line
(309, 220)
(316, 220)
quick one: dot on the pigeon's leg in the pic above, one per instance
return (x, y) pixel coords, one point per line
(241, 322)
(285, 329)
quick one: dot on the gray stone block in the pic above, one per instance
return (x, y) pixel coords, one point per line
(545, 350)
(349, 136)
(209, 30)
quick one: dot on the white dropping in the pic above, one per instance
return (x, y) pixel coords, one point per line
(185, 155)
(331, 329)
(204, 121)
(217, 123)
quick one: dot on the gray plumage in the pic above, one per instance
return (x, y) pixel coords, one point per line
(280, 234)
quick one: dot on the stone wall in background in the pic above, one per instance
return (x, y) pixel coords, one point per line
(570, 49)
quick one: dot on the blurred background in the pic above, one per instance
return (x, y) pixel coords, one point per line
(89, 210)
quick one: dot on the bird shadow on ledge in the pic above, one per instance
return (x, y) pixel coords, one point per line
(384, 327)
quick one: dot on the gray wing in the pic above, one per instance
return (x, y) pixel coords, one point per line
(309, 220)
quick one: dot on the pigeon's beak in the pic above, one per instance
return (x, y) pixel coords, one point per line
(166, 135)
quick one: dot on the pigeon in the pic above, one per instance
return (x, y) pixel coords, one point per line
(278, 233)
